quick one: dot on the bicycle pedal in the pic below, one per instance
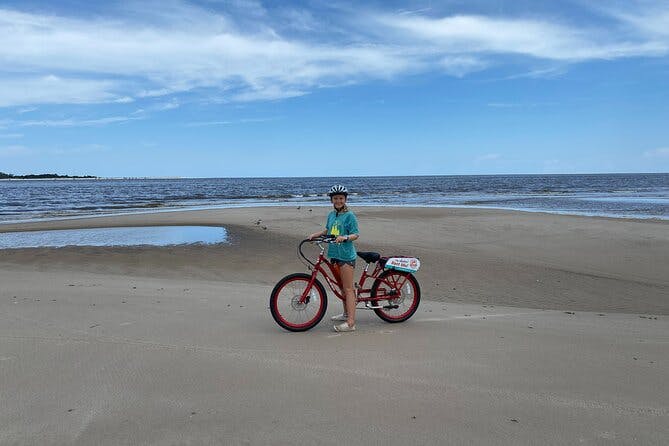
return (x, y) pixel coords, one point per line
(372, 307)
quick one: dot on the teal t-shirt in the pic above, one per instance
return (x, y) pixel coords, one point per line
(342, 224)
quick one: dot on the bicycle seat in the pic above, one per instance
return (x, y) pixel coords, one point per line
(369, 257)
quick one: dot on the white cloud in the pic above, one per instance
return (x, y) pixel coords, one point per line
(540, 73)
(461, 65)
(662, 152)
(150, 51)
(77, 150)
(176, 53)
(14, 151)
(11, 135)
(74, 122)
(53, 90)
(208, 123)
(504, 105)
(300, 20)
(412, 11)
(170, 105)
(269, 93)
(471, 34)
(648, 18)
(488, 157)
(240, 121)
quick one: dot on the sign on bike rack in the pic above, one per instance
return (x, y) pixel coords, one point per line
(408, 264)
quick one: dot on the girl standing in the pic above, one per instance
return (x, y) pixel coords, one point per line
(343, 224)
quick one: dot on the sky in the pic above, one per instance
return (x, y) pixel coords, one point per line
(244, 88)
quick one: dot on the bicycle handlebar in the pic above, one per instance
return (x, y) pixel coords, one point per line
(321, 239)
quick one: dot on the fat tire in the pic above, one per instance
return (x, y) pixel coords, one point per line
(380, 311)
(273, 301)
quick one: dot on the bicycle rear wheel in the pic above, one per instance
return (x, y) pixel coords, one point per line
(399, 293)
(285, 306)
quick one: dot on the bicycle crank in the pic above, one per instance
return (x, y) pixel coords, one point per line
(369, 306)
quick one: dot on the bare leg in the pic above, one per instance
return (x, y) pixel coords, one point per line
(339, 277)
(347, 284)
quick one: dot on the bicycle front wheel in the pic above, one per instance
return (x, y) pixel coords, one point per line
(399, 293)
(285, 305)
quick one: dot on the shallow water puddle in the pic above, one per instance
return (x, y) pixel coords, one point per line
(132, 236)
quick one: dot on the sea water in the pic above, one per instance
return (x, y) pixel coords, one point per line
(612, 195)
(134, 236)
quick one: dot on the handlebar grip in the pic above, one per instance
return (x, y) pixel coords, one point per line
(324, 239)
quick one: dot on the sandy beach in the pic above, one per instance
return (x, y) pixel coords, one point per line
(533, 329)
(522, 259)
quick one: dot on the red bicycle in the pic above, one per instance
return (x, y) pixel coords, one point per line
(299, 301)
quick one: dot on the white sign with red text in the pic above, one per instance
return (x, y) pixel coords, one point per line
(408, 264)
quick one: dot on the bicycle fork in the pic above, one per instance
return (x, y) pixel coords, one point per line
(306, 294)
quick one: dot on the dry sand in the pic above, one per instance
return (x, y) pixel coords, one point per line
(534, 329)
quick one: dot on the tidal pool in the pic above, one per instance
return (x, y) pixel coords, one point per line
(132, 236)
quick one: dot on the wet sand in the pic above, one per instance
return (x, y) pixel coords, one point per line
(533, 329)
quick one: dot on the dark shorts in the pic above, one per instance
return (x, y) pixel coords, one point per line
(343, 262)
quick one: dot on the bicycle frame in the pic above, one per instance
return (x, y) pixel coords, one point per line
(333, 282)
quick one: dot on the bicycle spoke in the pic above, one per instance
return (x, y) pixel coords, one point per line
(397, 289)
(288, 308)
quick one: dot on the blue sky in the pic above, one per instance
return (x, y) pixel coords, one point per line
(248, 88)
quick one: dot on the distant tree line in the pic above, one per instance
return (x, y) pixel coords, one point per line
(9, 176)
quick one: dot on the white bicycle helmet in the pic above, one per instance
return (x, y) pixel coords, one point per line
(338, 190)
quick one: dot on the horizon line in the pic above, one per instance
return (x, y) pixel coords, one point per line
(172, 177)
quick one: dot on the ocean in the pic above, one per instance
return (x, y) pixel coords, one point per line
(611, 195)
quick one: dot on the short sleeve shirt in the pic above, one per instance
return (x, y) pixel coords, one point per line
(342, 224)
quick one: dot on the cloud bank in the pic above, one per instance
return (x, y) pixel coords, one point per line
(146, 51)
(662, 152)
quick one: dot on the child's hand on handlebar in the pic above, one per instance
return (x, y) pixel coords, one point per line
(341, 239)
(320, 237)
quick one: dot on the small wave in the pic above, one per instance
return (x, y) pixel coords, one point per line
(127, 205)
(589, 193)
(548, 191)
(479, 202)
